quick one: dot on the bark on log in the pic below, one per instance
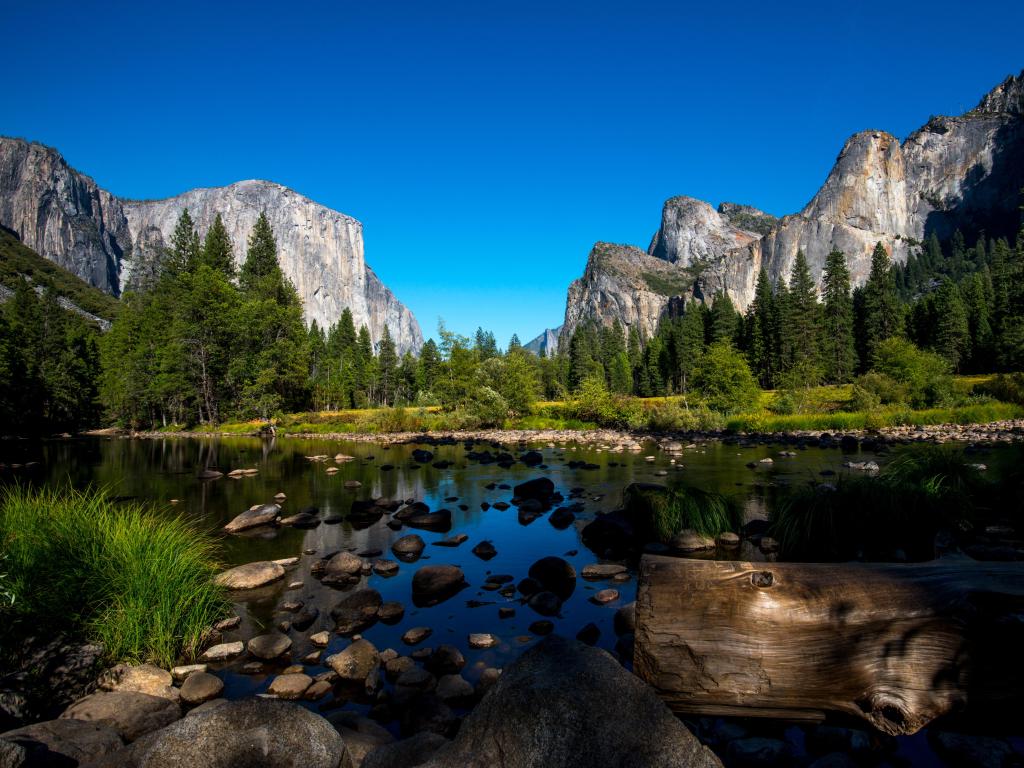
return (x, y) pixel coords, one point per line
(897, 645)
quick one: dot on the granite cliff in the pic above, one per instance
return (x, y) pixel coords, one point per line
(105, 240)
(953, 173)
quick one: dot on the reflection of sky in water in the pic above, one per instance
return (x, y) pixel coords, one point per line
(161, 470)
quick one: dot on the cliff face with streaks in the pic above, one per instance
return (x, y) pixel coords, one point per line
(954, 172)
(67, 218)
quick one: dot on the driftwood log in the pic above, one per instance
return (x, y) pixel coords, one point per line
(897, 645)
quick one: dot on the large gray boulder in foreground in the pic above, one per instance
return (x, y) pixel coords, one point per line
(247, 733)
(567, 705)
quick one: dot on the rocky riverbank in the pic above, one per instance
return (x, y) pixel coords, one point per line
(581, 707)
(613, 439)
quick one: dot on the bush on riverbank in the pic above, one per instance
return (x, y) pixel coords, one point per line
(668, 511)
(924, 489)
(135, 580)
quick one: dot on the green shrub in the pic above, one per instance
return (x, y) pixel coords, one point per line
(661, 513)
(724, 379)
(1008, 387)
(924, 377)
(593, 403)
(137, 581)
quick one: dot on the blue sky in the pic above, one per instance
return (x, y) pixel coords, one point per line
(486, 146)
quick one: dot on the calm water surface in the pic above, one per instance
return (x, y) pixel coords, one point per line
(160, 470)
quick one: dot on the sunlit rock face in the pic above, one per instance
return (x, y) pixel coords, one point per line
(320, 250)
(64, 216)
(953, 173)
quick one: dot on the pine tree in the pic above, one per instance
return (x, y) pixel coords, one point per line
(428, 367)
(691, 343)
(260, 272)
(387, 365)
(514, 343)
(760, 342)
(839, 353)
(486, 346)
(882, 316)
(184, 251)
(952, 333)
(217, 252)
(723, 320)
(801, 329)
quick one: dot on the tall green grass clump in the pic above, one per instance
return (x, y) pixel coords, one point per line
(924, 489)
(664, 512)
(137, 581)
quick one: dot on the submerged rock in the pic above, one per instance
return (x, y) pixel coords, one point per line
(583, 710)
(433, 584)
(253, 518)
(251, 575)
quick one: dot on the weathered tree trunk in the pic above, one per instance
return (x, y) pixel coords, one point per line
(897, 645)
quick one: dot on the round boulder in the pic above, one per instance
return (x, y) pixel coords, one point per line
(246, 732)
(270, 646)
(433, 584)
(200, 687)
(556, 575)
(130, 713)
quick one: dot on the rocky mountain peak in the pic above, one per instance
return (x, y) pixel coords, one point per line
(747, 217)
(692, 231)
(108, 241)
(1005, 98)
(953, 173)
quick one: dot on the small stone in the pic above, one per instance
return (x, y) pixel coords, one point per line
(416, 635)
(355, 663)
(691, 541)
(291, 685)
(485, 550)
(317, 690)
(201, 687)
(226, 625)
(728, 540)
(385, 567)
(269, 647)
(320, 639)
(180, 674)
(506, 612)
(391, 612)
(250, 575)
(223, 652)
(599, 571)
(605, 596)
(483, 640)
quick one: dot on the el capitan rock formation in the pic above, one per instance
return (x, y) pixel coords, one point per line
(64, 216)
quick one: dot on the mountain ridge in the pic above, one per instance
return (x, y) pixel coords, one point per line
(952, 172)
(106, 240)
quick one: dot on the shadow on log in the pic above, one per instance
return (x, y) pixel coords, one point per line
(897, 645)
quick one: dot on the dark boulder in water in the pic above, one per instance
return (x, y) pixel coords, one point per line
(556, 575)
(540, 488)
